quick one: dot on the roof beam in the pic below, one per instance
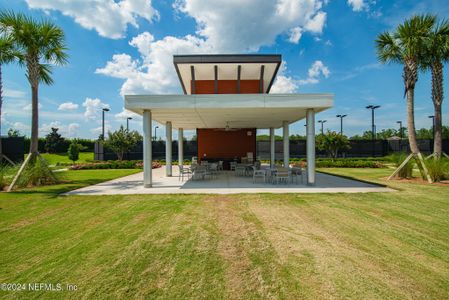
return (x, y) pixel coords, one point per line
(192, 73)
(215, 79)
(262, 69)
(239, 73)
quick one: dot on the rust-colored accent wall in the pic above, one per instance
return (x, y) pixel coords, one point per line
(218, 143)
(226, 86)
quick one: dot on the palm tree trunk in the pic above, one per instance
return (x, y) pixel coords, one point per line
(437, 98)
(34, 121)
(410, 76)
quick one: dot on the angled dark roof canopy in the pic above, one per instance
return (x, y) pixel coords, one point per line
(267, 66)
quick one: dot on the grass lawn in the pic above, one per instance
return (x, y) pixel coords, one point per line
(54, 158)
(375, 245)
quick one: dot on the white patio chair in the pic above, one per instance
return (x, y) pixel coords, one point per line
(259, 174)
(220, 165)
(199, 173)
(240, 170)
(184, 171)
(232, 165)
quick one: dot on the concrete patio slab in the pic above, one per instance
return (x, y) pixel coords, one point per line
(225, 183)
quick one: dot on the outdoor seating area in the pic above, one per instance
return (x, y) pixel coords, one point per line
(204, 181)
(260, 174)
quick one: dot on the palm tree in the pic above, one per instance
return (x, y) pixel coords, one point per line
(41, 45)
(7, 55)
(405, 46)
(436, 54)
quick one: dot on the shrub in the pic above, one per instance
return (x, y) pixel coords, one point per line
(407, 170)
(438, 169)
(121, 141)
(332, 143)
(36, 173)
(343, 163)
(114, 164)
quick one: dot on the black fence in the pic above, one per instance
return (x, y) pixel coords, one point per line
(190, 149)
(13, 148)
(358, 148)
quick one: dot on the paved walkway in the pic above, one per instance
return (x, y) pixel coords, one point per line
(225, 183)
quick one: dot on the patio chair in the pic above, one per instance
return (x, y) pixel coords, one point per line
(212, 170)
(282, 175)
(220, 165)
(240, 170)
(297, 172)
(232, 165)
(257, 164)
(199, 173)
(184, 171)
(259, 174)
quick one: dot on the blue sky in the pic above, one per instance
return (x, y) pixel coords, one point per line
(123, 47)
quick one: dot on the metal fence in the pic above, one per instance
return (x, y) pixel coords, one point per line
(14, 148)
(358, 148)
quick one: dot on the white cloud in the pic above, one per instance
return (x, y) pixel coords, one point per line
(284, 85)
(23, 128)
(295, 35)
(93, 108)
(234, 26)
(28, 107)
(154, 73)
(223, 26)
(357, 5)
(109, 18)
(314, 72)
(126, 114)
(11, 93)
(68, 106)
(70, 130)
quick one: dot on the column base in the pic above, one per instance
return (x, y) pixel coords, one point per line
(148, 185)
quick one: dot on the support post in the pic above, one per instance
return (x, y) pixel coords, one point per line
(168, 149)
(272, 147)
(181, 147)
(147, 150)
(310, 147)
(286, 137)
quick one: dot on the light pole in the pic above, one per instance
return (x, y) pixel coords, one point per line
(400, 134)
(433, 126)
(373, 127)
(127, 123)
(400, 129)
(155, 128)
(341, 123)
(102, 122)
(322, 125)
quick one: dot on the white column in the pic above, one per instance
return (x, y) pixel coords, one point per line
(180, 147)
(310, 147)
(272, 147)
(168, 149)
(286, 144)
(147, 149)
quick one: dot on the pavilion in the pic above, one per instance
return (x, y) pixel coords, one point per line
(226, 99)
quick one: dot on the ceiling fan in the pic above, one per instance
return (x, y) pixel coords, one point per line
(227, 128)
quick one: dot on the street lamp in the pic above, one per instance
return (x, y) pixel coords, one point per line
(127, 123)
(341, 122)
(373, 127)
(433, 126)
(155, 128)
(322, 125)
(400, 129)
(102, 122)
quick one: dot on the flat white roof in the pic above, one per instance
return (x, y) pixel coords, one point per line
(233, 110)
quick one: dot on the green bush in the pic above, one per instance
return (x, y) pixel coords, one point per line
(407, 170)
(36, 173)
(438, 168)
(114, 164)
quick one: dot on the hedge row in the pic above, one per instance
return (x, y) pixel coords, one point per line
(113, 164)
